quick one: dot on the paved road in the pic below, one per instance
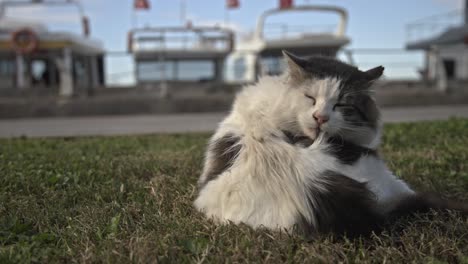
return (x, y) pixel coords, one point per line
(144, 124)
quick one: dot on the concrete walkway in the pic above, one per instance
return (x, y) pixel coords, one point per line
(179, 123)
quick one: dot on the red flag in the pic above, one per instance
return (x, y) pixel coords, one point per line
(141, 4)
(232, 3)
(285, 4)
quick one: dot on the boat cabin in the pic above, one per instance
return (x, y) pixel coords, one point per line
(37, 61)
(173, 59)
(446, 53)
(262, 54)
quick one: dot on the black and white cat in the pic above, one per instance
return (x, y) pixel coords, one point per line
(301, 150)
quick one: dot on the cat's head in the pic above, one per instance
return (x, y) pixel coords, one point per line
(334, 98)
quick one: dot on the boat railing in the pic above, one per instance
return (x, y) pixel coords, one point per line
(5, 4)
(427, 27)
(285, 30)
(160, 39)
(340, 30)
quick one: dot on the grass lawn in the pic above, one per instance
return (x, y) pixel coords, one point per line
(129, 199)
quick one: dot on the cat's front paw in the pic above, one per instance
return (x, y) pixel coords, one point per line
(298, 139)
(304, 141)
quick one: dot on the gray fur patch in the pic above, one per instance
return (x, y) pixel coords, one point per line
(359, 109)
(347, 208)
(347, 152)
(321, 67)
(224, 151)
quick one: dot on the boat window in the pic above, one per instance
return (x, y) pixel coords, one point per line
(155, 71)
(81, 77)
(239, 68)
(272, 65)
(199, 70)
(7, 67)
(449, 66)
(7, 71)
(39, 72)
(187, 70)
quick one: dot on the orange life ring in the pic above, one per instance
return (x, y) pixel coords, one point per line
(24, 41)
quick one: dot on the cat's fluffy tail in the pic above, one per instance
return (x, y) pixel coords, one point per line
(425, 202)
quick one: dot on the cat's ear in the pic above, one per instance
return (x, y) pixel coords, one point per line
(375, 73)
(295, 66)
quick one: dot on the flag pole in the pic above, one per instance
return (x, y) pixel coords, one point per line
(134, 17)
(183, 11)
(226, 15)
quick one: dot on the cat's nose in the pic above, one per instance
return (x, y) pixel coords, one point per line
(321, 119)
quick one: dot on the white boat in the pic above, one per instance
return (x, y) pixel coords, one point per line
(175, 58)
(35, 60)
(261, 55)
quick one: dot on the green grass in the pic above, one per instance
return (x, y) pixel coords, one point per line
(129, 199)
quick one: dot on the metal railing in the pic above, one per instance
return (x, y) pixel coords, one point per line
(399, 64)
(190, 37)
(427, 27)
(340, 31)
(285, 30)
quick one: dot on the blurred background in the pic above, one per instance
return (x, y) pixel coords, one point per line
(154, 61)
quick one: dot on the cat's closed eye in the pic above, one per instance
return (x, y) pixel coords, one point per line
(343, 106)
(311, 98)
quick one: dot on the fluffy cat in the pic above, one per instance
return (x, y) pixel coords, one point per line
(300, 150)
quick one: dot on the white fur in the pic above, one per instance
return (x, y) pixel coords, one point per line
(264, 188)
(268, 182)
(387, 188)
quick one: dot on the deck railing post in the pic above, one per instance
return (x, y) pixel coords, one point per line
(20, 69)
(66, 73)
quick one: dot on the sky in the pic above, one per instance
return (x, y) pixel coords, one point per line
(372, 24)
